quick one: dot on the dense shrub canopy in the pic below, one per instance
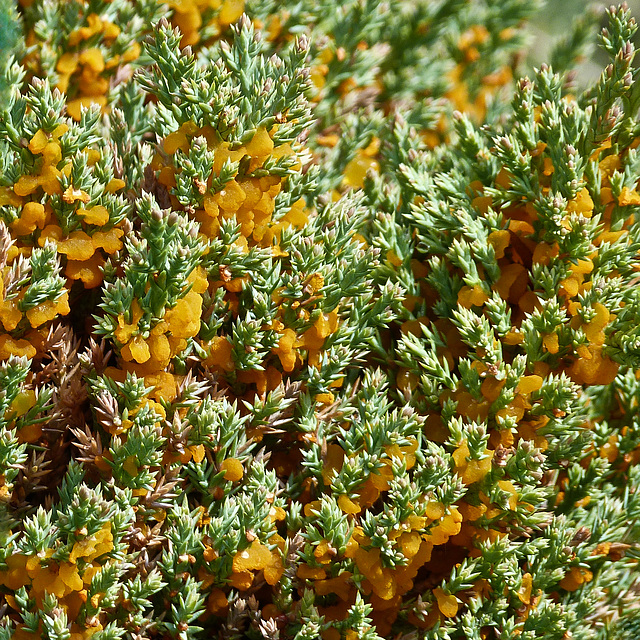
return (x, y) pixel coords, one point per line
(317, 320)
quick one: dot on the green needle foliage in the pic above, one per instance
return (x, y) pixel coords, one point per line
(318, 320)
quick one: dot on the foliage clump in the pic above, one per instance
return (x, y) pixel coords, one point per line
(316, 321)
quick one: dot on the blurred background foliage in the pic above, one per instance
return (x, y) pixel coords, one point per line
(555, 21)
(552, 23)
(9, 37)
(549, 26)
